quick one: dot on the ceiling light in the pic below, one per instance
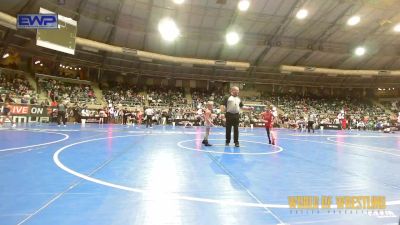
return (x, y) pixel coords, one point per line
(178, 1)
(232, 38)
(397, 28)
(301, 14)
(360, 51)
(168, 29)
(354, 20)
(244, 5)
(37, 62)
(6, 55)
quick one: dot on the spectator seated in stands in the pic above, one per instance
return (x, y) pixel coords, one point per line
(123, 96)
(393, 106)
(45, 103)
(58, 91)
(17, 85)
(360, 125)
(327, 108)
(33, 101)
(200, 96)
(166, 96)
(25, 99)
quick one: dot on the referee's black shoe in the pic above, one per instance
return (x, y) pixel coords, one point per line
(237, 144)
(205, 142)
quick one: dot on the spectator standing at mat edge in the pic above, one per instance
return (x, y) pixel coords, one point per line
(7, 111)
(61, 113)
(84, 115)
(398, 120)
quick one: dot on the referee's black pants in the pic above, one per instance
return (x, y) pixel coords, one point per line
(232, 119)
(61, 117)
(310, 126)
(124, 119)
(149, 121)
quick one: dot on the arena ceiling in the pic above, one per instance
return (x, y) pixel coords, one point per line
(270, 36)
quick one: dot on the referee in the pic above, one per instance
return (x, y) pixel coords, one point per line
(311, 120)
(231, 105)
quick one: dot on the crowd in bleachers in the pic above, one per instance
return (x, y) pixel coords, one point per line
(69, 92)
(125, 96)
(163, 96)
(253, 99)
(18, 88)
(201, 96)
(393, 106)
(171, 104)
(356, 112)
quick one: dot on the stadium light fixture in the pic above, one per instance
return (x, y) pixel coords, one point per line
(6, 55)
(37, 62)
(232, 38)
(168, 29)
(244, 5)
(178, 2)
(302, 14)
(360, 51)
(397, 28)
(354, 20)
